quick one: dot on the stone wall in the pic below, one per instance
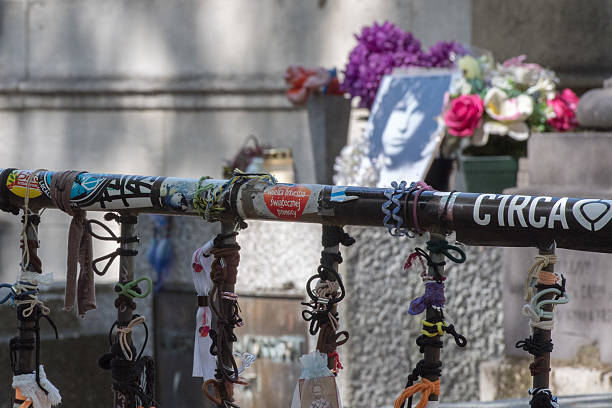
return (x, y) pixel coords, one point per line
(552, 33)
(382, 351)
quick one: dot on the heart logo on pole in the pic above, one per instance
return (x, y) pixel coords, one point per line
(593, 214)
(287, 202)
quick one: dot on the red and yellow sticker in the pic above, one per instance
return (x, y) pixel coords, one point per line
(287, 202)
(17, 184)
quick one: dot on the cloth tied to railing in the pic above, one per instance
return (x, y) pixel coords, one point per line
(425, 387)
(434, 296)
(29, 308)
(79, 246)
(204, 363)
(27, 388)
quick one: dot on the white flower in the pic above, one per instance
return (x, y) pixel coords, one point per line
(546, 86)
(353, 166)
(501, 81)
(526, 75)
(516, 130)
(459, 86)
(503, 108)
(509, 114)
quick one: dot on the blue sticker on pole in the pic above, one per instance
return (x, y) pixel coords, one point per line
(338, 195)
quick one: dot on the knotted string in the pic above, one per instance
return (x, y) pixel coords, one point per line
(425, 387)
(123, 336)
(224, 271)
(132, 377)
(540, 262)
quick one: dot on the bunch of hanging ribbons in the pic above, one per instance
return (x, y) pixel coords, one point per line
(29, 380)
(434, 325)
(544, 289)
(215, 269)
(132, 375)
(324, 297)
(429, 369)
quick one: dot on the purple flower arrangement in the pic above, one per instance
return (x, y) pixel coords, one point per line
(383, 47)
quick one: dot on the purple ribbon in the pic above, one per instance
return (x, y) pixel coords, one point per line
(434, 296)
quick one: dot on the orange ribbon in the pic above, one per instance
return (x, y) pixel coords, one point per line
(425, 387)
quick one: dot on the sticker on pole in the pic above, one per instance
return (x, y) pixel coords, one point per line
(287, 202)
(17, 183)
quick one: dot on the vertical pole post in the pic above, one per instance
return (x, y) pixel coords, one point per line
(26, 358)
(225, 305)
(432, 354)
(126, 274)
(323, 334)
(541, 379)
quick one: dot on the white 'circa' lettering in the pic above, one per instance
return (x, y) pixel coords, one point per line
(519, 208)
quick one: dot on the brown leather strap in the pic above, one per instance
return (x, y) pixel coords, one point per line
(202, 301)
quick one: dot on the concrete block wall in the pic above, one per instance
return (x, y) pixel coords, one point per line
(552, 33)
(382, 352)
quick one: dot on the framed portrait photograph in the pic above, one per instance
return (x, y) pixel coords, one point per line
(319, 393)
(403, 131)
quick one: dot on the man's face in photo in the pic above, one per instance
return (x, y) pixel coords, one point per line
(317, 392)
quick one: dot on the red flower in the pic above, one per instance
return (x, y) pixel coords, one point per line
(564, 105)
(570, 98)
(303, 81)
(464, 115)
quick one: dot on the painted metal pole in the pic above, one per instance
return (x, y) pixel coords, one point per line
(479, 219)
(541, 377)
(26, 361)
(432, 354)
(126, 274)
(324, 333)
(226, 308)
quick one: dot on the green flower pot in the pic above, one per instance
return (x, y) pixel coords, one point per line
(489, 174)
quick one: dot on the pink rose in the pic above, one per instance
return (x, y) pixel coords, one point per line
(464, 115)
(570, 98)
(564, 105)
